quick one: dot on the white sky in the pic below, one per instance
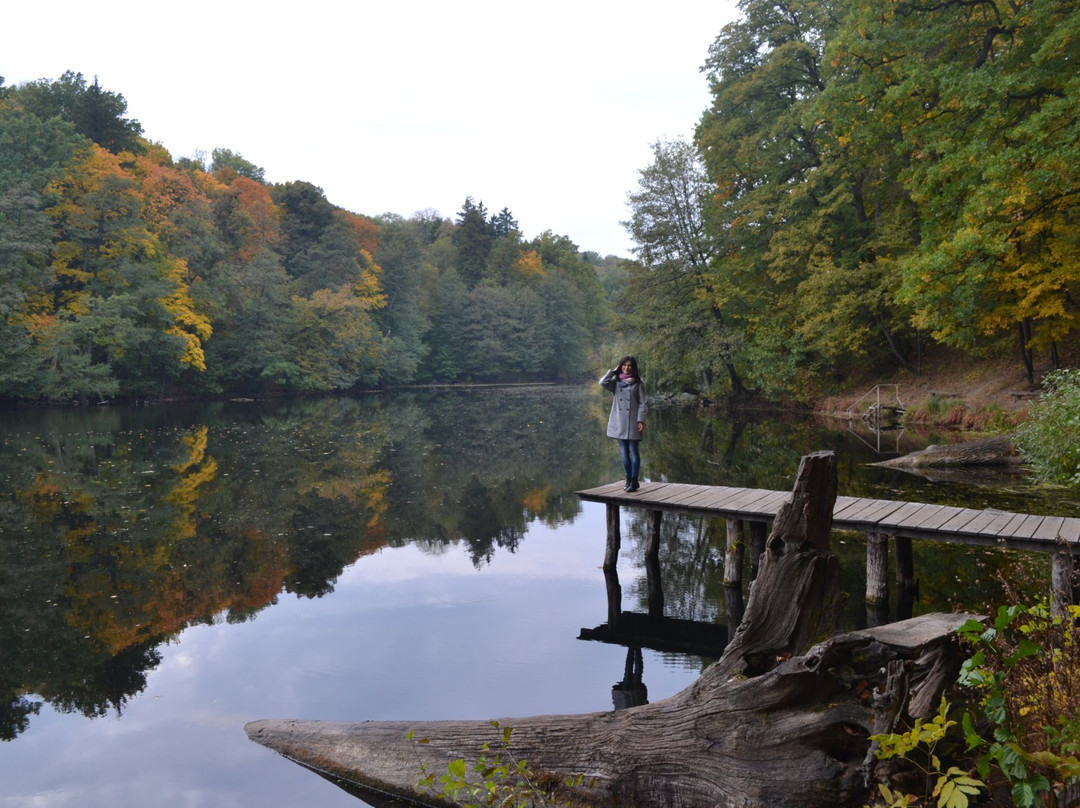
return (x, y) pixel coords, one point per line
(546, 108)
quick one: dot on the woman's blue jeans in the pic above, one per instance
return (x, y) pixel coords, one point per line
(630, 450)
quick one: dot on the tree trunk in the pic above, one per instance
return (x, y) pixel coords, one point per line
(1025, 350)
(777, 721)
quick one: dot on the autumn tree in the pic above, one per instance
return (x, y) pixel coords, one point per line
(992, 143)
(117, 288)
(884, 174)
(126, 272)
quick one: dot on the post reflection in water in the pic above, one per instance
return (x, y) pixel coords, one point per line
(631, 691)
(653, 629)
(170, 558)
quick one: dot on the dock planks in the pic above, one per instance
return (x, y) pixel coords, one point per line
(916, 520)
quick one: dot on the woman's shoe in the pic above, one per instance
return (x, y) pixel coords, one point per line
(633, 486)
(629, 482)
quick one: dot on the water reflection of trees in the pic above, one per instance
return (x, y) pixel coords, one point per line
(120, 528)
(483, 465)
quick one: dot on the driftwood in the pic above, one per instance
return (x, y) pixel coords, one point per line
(777, 721)
(996, 451)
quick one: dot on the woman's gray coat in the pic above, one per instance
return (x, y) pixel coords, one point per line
(627, 408)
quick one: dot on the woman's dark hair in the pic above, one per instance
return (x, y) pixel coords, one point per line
(633, 367)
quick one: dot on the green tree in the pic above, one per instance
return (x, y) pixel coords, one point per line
(502, 262)
(332, 340)
(96, 113)
(848, 309)
(504, 223)
(495, 327)
(33, 152)
(560, 334)
(227, 163)
(403, 321)
(24, 275)
(561, 254)
(320, 249)
(249, 303)
(760, 148)
(671, 304)
(444, 307)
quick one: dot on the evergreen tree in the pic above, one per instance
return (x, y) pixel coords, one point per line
(473, 238)
(504, 224)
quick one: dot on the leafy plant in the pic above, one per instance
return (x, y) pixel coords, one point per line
(497, 778)
(1027, 667)
(952, 786)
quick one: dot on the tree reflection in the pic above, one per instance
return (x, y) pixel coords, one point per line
(119, 529)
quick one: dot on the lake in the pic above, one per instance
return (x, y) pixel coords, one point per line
(170, 572)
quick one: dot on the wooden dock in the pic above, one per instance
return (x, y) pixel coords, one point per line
(912, 520)
(882, 522)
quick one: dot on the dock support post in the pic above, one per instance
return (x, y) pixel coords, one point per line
(877, 566)
(614, 537)
(905, 562)
(1063, 582)
(734, 554)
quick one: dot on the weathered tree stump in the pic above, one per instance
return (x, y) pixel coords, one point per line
(782, 719)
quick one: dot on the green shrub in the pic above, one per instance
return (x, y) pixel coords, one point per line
(1023, 729)
(1049, 441)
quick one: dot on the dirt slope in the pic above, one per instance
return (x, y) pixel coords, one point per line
(952, 388)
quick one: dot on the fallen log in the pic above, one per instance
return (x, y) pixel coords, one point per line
(784, 718)
(999, 450)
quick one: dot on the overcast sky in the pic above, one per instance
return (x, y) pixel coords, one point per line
(545, 108)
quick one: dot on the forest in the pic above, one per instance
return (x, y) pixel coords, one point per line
(870, 180)
(127, 273)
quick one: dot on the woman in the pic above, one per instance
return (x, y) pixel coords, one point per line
(627, 420)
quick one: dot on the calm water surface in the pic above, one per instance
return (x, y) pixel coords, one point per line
(169, 573)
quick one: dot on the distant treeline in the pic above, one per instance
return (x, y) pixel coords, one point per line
(126, 272)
